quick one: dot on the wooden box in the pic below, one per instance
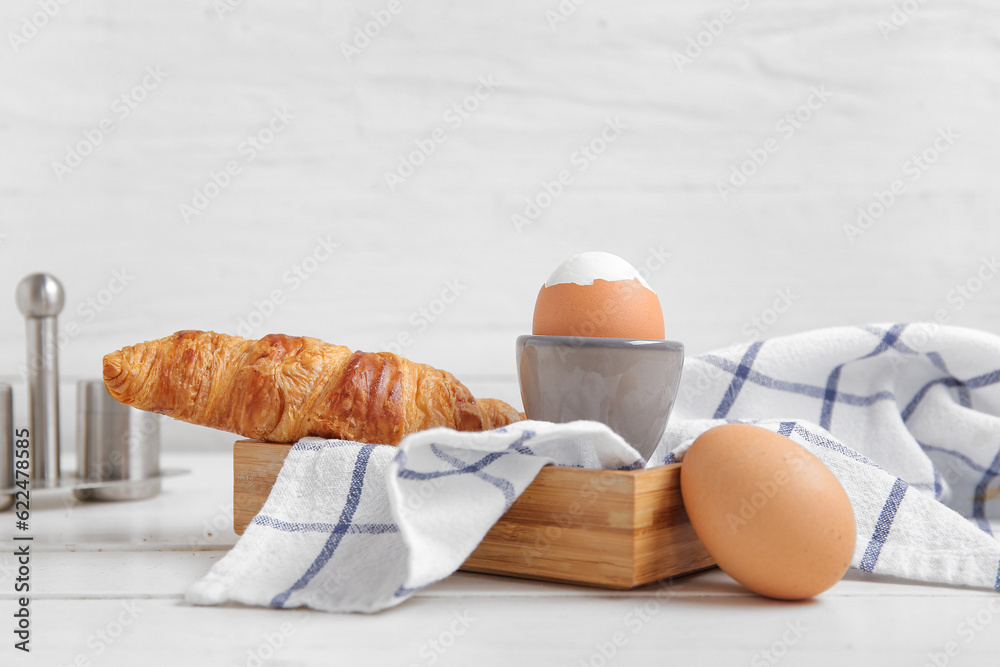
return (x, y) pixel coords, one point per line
(606, 528)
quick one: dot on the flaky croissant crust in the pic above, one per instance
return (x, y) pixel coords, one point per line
(282, 388)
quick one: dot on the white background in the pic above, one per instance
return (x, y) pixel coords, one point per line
(655, 189)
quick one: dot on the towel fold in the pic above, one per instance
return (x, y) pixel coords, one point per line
(906, 416)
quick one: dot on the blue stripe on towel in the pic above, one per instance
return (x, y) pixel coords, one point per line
(739, 377)
(883, 525)
(984, 380)
(951, 452)
(504, 485)
(822, 441)
(519, 446)
(323, 444)
(964, 396)
(789, 428)
(293, 527)
(914, 403)
(938, 361)
(889, 339)
(829, 398)
(810, 390)
(343, 524)
(403, 591)
(406, 473)
(938, 483)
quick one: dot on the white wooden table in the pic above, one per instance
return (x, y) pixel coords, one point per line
(108, 581)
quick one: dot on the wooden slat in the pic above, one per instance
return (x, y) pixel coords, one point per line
(255, 469)
(607, 528)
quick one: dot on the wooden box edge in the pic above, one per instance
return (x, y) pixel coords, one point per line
(633, 531)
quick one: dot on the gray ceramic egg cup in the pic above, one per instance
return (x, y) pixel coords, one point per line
(628, 384)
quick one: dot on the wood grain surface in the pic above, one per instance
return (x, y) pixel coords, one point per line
(607, 528)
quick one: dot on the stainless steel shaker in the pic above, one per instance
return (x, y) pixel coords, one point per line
(6, 445)
(117, 447)
(40, 298)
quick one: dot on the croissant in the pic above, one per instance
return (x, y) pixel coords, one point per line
(281, 388)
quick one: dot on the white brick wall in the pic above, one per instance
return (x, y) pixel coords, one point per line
(656, 186)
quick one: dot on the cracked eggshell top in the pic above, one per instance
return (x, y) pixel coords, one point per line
(597, 294)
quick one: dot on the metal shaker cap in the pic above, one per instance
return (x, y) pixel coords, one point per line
(115, 442)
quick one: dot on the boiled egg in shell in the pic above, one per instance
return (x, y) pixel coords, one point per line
(597, 294)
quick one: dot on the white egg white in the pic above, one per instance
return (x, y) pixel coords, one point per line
(586, 267)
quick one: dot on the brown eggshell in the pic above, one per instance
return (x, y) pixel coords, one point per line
(769, 512)
(604, 309)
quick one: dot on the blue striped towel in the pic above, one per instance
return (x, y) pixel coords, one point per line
(906, 416)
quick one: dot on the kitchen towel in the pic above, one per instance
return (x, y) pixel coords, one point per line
(906, 416)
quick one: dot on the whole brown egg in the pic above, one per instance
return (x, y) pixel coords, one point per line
(768, 511)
